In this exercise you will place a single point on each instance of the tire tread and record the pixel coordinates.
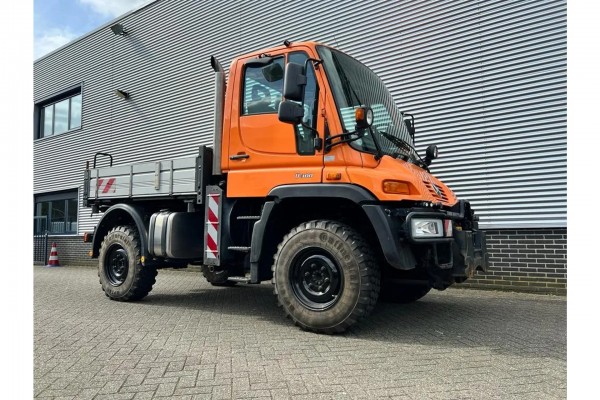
(144, 279)
(369, 272)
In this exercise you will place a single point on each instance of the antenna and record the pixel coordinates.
(336, 43)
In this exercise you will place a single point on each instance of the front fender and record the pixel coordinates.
(396, 253)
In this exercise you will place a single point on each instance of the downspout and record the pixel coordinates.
(218, 113)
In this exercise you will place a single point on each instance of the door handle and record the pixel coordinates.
(241, 156)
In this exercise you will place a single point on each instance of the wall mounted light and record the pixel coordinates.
(118, 29)
(122, 94)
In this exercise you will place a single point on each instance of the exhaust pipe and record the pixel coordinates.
(218, 113)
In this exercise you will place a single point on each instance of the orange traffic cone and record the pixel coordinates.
(53, 260)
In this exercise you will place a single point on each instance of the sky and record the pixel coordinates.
(57, 22)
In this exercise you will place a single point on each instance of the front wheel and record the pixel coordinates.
(325, 276)
(121, 273)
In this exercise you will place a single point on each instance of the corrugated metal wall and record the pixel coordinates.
(485, 79)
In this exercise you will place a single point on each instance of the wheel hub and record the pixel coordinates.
(117, 265)
(316, 280)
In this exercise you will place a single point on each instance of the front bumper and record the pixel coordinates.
(463, 253)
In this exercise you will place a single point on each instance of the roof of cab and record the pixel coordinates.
(278, 48)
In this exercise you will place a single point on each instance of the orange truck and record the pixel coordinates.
(312, 182)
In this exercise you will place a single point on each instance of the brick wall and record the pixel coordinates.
(71, 250)
(525, 260)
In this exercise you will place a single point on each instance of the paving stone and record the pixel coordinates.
(189, 340)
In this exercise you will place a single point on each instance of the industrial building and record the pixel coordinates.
(485, 80)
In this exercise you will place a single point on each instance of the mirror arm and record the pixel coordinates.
(412, 120)
(316, 63)
(341, 135)
(317, 140)
(345, 138)
(379, 154)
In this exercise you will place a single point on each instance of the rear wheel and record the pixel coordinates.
(325, 276)
(217, 277)
(121, 273)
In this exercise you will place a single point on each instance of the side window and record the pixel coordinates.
(263, 87)
(305, 137)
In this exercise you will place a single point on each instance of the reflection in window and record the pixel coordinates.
(71, 221)
(75, 121)
(263, 87)
(57, 216)
(48, 118)
(61, 116)
(305, 144)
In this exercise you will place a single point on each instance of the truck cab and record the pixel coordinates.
(312, 182)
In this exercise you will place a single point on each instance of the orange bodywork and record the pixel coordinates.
(264, 148)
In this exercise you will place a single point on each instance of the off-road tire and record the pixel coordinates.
(121, 273)
(402, 293)
(346, 258)
(217, 278)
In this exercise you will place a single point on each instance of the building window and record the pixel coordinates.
(60, 115)
(56, 213)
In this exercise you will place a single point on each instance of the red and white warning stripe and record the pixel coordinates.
(106, 185)
(212, 226)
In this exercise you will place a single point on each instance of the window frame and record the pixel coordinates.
(65, 197)
(52, 100)
(315, 115)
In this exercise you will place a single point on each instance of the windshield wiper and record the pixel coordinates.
(401, 143)
(397, 141)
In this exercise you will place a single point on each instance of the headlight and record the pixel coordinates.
(426, 228)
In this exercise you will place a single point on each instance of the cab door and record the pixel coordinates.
(263, 152)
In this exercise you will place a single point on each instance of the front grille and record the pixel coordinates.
(432, 189)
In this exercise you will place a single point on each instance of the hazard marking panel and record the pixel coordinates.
(213, 230)
(106, 185)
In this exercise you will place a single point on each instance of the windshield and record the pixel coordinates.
(354, 85)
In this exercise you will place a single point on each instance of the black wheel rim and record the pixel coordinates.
(116, 265)
(316, 279)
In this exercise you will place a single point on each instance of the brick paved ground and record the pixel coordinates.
(188, 340)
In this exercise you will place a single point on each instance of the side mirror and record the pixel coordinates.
(290, 112)
(294, 82)
(431, 154)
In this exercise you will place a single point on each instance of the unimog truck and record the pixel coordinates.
(312, 182)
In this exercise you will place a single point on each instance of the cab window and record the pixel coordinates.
(263, 87)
